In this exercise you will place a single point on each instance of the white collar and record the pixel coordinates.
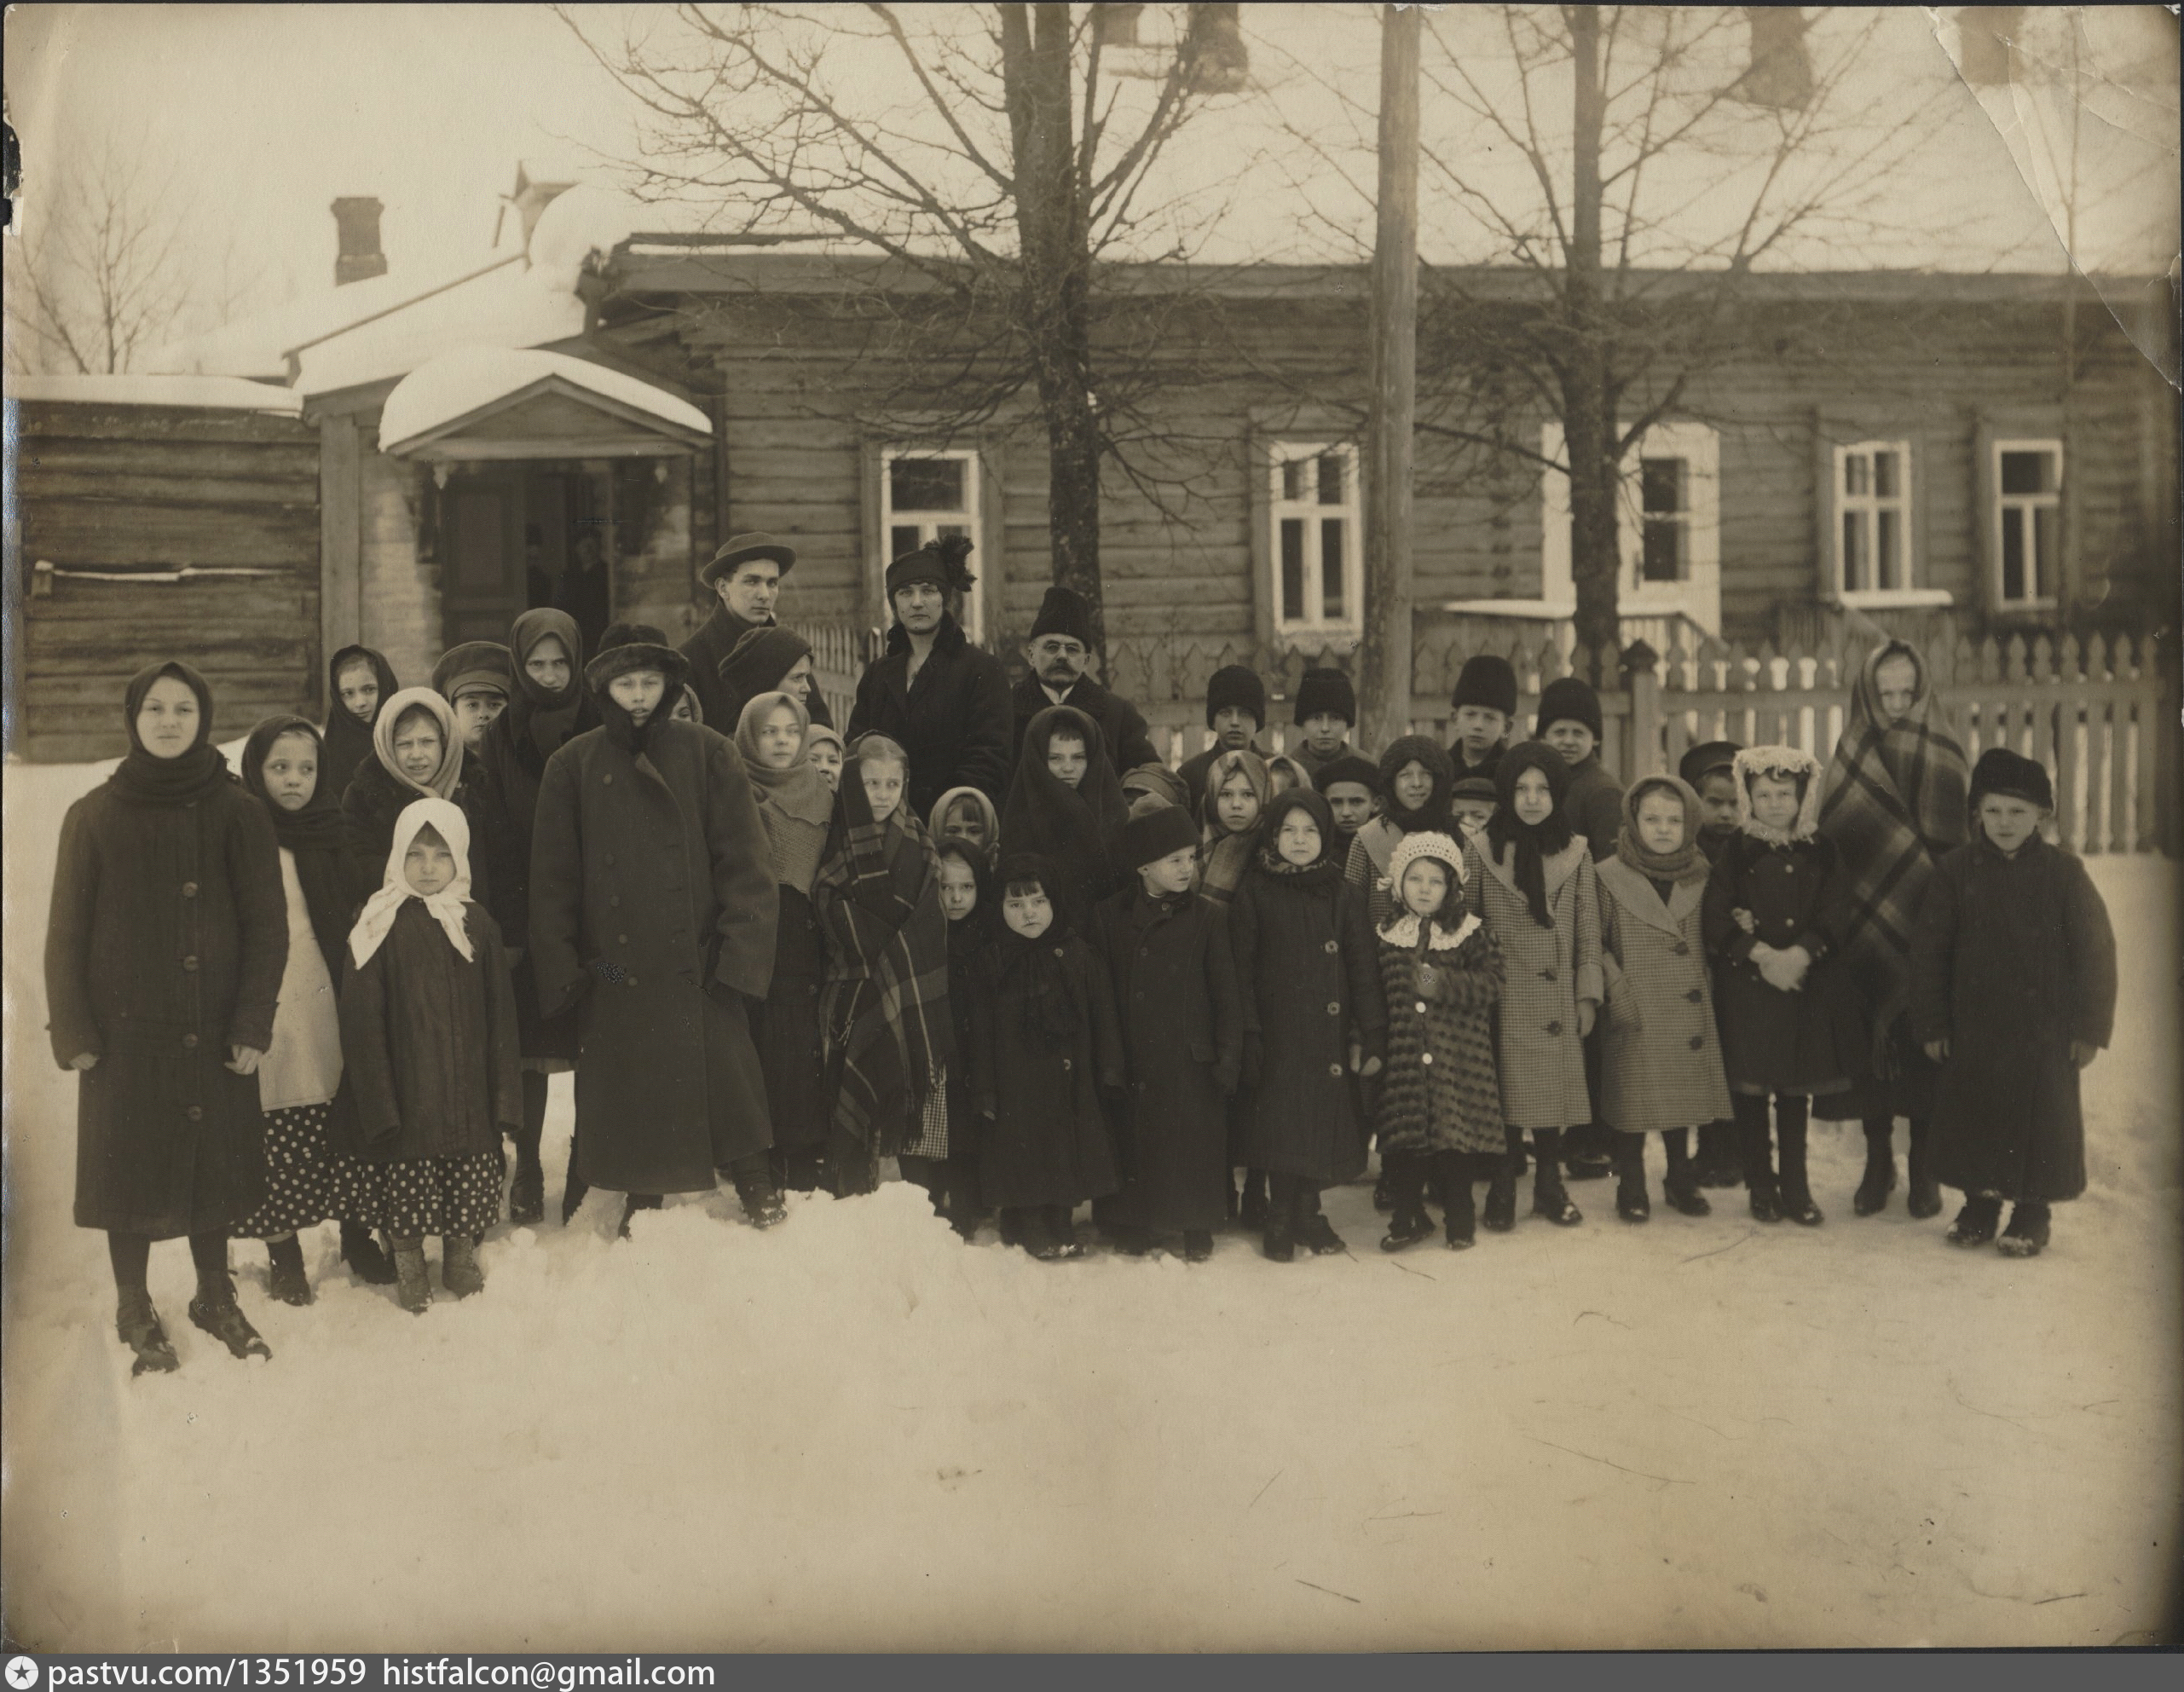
(1061, 698)
(1403, 931)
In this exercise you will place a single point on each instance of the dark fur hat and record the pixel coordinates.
(1236, 684)
(636, 646)
(2000, 771)
(1327, 690)
(1488, 681)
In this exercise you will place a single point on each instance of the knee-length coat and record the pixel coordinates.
(1183, 1022)
(2012, 960)
(166, 945)
(1811, 1040)
(1311, 989)
(1438, 1092)
(1545, 973)
(1660, 1051)
(653, 912)
(1049, 1142)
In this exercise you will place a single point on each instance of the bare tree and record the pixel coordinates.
(997, 159)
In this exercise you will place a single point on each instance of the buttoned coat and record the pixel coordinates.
(1661, 1050)
(1049, 1142)
(653, 911)
(164, 946)
(955, 720)
(1594, 805)
(2012, 960)
(1183, 1021)
(1439, 1091)
(431, 1043)
(1813, 1040)
(1121, 724)
(1545, 971)
(1311, 988)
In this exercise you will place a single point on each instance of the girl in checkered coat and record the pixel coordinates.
(1662, 1054)
(1440, 1107)
(1530, 879)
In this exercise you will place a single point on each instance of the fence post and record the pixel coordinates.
(1642, 750)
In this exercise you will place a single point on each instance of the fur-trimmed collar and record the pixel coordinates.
(1403, 931)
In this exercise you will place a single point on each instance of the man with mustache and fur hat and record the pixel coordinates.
(1057, 654)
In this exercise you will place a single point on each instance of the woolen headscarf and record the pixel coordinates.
(446, 906)
(1893, 801)
(312, 835)
(444, 780)
(1028, 972)
(1225, 857)
(936, 820)
(1079, 830)
(760, 660)
(541, 718)
(1158, 779)
(794, 803)
(1325, 870)
(192, 775)
(1280, 763)
(1428, 753)
(1687, 863)
(1529, 844)
(347, 740)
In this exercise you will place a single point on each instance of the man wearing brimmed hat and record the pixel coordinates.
(1057, 654)
(944, 700)
(745, 574)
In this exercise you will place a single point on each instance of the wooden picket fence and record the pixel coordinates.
(2089, 710)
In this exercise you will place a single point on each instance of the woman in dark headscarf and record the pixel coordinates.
(361, 682)
(795, 804)
(1533, 884)
(299, 1082)
(770, 659)
(885, 1010)
(550, 706)
(1075, 824)
(163, 953)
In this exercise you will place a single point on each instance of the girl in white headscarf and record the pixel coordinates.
(428, 1029)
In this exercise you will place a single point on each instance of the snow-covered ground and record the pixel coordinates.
(855, 1432)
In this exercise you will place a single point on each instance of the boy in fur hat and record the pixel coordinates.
(2012, 993)
(1484, 706)
(1236, 710)
(1167, 951)
(1325, 712)
(1569, 721)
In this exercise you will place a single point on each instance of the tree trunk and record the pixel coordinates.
(1589, 424)
(1384, 661)
(1053, 303)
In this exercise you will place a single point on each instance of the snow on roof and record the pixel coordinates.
(504, 309)
(455, 385)
(217, 393)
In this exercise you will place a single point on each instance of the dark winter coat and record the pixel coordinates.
(1311, 987)
(1182, 1018)
(1811, 1040)
(369, 809)
(654, 912)
(1048, 1141)
(1486, 766)
(1122, 725)
(428, 1039)
(166, 945)
(715, 638)
(956, 720)
(1438, 1092)
(788, 1030)
(1594, 805)
(2012, 960)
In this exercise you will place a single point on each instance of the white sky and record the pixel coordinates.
(270, 112)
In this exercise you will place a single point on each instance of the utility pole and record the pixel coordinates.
(1385, 659)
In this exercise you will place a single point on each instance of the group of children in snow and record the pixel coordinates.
(285, 1008)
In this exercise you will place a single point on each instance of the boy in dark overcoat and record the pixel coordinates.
(653, 914)
(1167, 952)
(2012, 993)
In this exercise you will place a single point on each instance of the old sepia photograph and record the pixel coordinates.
(990, 828)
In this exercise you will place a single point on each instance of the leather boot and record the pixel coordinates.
(1925, 1198)
(215, 1310)
(1550, 1197)
(1880, 1180)
(141, 1331)
(288, 1282)
(362, 1254)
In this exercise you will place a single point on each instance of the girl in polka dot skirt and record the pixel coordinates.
(428, 1026)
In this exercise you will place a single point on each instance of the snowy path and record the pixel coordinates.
(856, 1433)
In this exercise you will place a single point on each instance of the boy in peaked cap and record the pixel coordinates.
(1236, 710)
(1708, 769)
(2012, 993)
(1484, 706)
(1167, 952)
(1351, 786)
(475, 678)
(1326, 712)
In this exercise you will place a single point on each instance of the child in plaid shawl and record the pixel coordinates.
(885, 1008)
(1893, 805)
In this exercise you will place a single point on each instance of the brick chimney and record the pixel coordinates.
(358, 218)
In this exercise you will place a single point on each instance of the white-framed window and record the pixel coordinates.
(1316, 544)
(1668, 529)
(926, 493)
(2026, 522)
(1873, 519)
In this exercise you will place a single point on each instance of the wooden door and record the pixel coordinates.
(483, 587)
